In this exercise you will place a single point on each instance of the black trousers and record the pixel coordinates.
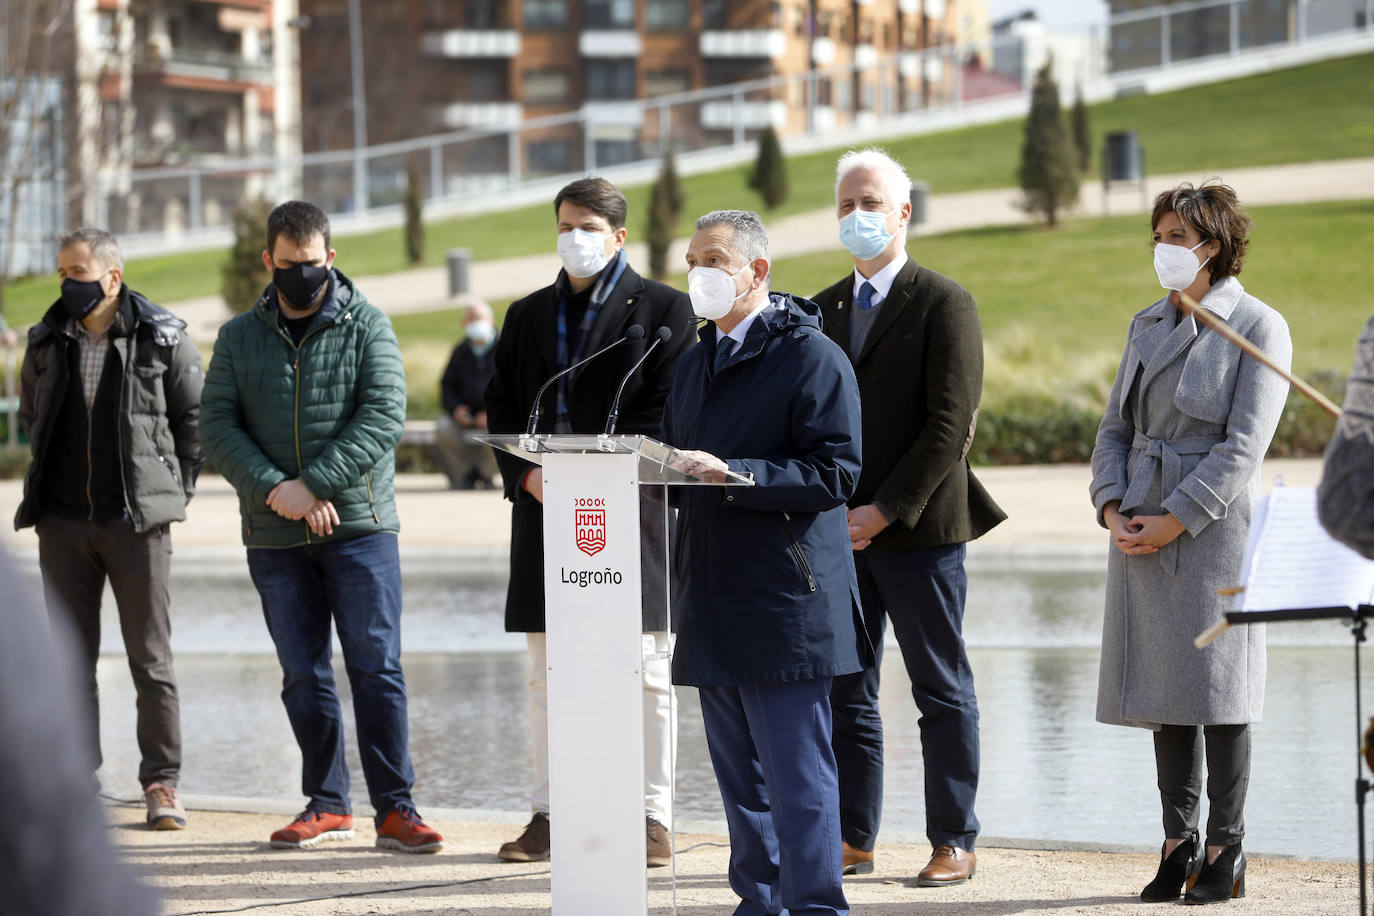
(76, 557)
(1179, 756)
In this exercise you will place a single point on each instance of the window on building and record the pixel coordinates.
(666, 82)
(485, 83)
(715, 14)
(546, 14)
(487, 14)
(609, 14)
(667, 14)
(610, 79)
(616, 152)
(109, 128)
(550, 156)
(545, 87)
(107, 38)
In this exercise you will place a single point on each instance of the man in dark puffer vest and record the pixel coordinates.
(110, 398)
(305, 401)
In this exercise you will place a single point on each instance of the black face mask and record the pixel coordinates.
(300, 284)
(80, 299)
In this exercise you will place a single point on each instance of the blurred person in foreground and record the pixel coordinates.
(110, 398)
(595, 299)
(1176, 472)
(765, 579)
(917, 347)
(45, 756)
(1345, 496)
(468, 464)
(304, 403)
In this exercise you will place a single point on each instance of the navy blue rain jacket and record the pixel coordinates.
(765, 582)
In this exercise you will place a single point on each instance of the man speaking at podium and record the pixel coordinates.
(765, 587)
(596, 299)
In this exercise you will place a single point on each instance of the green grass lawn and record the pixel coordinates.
(1055, 304)
(1305, 114)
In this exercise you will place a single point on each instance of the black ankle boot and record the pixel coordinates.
(1220, 880)
(1176, 869)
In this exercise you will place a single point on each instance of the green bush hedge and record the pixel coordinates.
(1064, 433)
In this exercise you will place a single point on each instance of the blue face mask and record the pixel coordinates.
(865, 234)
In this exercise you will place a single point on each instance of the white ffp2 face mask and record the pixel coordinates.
(1177, 266)
(583, 253)
(712, 291)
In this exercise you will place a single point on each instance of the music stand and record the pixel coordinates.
(1358, 617)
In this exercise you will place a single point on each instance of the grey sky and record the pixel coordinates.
(1057, 14)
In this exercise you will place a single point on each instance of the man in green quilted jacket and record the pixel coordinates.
(303, 405)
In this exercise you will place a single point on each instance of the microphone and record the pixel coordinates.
(662, 335)
(633, 332)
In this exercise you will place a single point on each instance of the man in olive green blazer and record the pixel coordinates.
(917, 348)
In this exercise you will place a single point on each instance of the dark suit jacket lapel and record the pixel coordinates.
(836, 318)
(892, 307)
(546, 327)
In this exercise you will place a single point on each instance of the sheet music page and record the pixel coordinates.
(1293, 563)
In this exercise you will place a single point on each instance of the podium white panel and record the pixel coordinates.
(595, 678)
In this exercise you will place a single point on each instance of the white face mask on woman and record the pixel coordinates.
(1177, 266)
(712, 291)
(583, 253)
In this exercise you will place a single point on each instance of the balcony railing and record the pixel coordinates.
(481, 114)
(769, 43)
(206, 64)
(469, 43)
(609, 43)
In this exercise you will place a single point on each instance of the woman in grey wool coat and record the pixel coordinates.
(1176, 470)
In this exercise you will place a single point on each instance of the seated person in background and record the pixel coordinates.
(467, 464)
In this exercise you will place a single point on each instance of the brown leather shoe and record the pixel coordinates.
(533, 844)
(855, 861)
(947, 865)
(658, 845)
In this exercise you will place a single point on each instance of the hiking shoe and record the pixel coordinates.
(533, 845)
(403, 831)
(658, 843)
(164, 808)
(311, 827)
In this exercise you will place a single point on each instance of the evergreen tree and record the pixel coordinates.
(242, 276)
(1049, 162)
(415, 226)
(665, 204)
(1082, 132)
(769, 175)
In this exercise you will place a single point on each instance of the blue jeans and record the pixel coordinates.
(357, 584)
(770, 748)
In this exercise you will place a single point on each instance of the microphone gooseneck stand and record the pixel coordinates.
(1358, 617)
(633, 332)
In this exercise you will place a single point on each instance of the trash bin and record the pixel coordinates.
(1123, 158)
(920, 196)
(459, 261)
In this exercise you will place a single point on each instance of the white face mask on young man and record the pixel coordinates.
(1177, 266)
(583, 253)
(712, 291)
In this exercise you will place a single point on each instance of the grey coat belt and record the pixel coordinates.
(1166, 456)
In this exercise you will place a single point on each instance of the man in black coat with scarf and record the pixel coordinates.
(596, 298)
(917, 348)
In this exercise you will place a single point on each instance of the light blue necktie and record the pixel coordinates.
(865, 300)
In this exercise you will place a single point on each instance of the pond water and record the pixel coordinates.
(1049, 771)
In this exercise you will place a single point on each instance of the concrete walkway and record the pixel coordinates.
(426, 289)
(1047, 506)
(223, 864)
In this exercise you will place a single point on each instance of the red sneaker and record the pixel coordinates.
(312, 827)
(403, 831)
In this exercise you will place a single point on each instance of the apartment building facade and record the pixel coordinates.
(434, 66)
(161, 85)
